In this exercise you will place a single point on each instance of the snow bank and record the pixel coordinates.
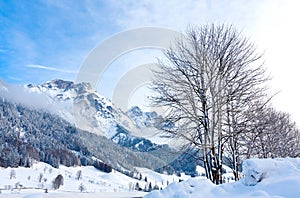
(194, 186)
(263, 178)
(256, 170)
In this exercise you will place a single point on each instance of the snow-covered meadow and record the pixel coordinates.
(261, 178)
(33, 182)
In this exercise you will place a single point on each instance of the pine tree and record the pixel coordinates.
(137, 186)
(150, 187)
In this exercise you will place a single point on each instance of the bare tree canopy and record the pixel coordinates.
(273, 135)
(210, 78)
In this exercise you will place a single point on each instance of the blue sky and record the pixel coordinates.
(50, 34)
(48, 39)
(42, 40)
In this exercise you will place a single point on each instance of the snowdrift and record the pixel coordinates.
(257, 170)
(262, 178)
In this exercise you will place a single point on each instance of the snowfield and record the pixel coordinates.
(32, 182)
(262, 178)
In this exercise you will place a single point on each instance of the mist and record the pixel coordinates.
(20, 94)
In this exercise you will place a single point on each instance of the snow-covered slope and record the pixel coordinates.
(263, 178)
(281, 178)
(33, 182)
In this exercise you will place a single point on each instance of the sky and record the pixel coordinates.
(48, 39)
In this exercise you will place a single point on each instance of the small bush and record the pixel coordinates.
(81, 187)
(58, 181)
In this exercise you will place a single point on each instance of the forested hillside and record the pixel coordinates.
(28, 135)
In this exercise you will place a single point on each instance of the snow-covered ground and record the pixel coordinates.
(32, 182)
(262, 178)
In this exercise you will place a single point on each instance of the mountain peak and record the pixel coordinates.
(58, 86)
(68, 85)
(59, 83)
(135, 110)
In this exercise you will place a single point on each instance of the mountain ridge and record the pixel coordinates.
(135, 131)
(95, 113)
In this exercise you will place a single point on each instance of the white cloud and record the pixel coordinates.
(35, 100)
(179, 14)
(14, 78)
(51, 68)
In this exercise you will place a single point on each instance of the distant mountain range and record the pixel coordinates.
(41, 119)
(93, 112)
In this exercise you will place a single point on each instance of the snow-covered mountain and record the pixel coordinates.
(135, 143)
(135, 129)
(144, 119)
(92, 112)
(150, 125)
(79, 104)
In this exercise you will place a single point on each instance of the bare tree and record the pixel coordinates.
(40, 177)
(240, 127)
(273, 135)
(208, 76)
(81, 187)
(12, 174)
(79, 174)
